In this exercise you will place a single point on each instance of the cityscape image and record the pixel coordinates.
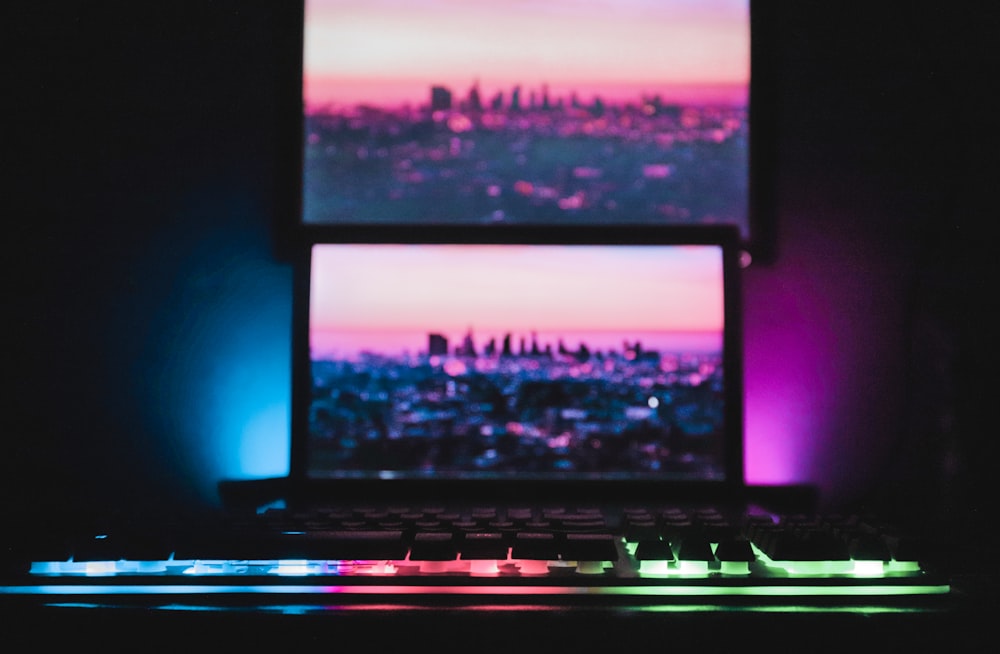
(546, 112)
(517, 360)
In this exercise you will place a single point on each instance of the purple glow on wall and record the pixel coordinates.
(786, 346)
(824, 360)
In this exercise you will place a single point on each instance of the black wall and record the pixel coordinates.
(146, 149)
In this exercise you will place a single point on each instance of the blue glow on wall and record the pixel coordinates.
(232, 377)
(213, 374)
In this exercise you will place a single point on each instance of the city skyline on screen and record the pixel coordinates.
(390, 297)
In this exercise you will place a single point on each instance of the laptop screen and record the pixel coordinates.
(519, 361)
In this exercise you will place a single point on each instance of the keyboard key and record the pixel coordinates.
(640, 530)
(579, 524)
(223, 545)
(695, 548)
(735, 549)
(483, 545)
(808, 546)
(653, 550)
(535, 545)
(869, 547)
(589, 547)
(433, 546)
(345, 545)
(99, 548)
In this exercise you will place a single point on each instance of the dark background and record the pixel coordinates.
(148, 156)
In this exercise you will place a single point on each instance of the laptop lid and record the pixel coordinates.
(595, 364)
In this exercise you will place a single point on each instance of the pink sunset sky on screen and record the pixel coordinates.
(382, 289)
(393, 51)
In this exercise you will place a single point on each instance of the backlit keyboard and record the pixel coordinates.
(658, 553)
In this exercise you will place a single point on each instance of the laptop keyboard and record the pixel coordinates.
(644, 551)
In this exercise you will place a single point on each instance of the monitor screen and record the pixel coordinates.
(525, 113)
(524, 361)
